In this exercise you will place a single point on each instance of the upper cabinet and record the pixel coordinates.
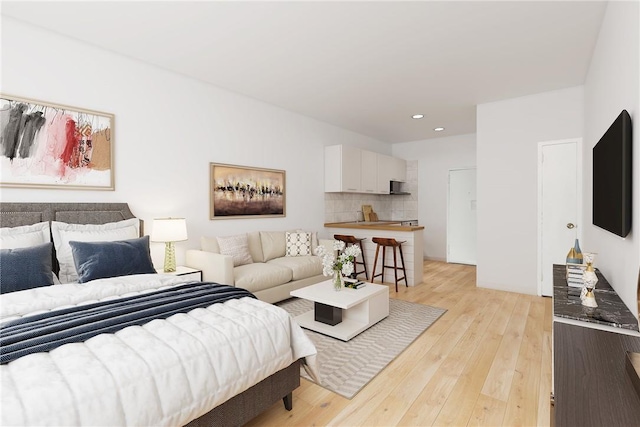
(384, 172)
(342, 169)
(352, 170)
(398, 169)
(369, 171)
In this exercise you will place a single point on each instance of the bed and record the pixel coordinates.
(219, 364)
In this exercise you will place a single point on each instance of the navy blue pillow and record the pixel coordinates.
(25, 268)
(99, 260)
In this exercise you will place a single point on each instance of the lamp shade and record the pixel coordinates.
(169, 230)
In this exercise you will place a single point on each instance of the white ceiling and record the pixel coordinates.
(363, 66)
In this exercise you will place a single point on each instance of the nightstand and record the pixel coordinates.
(186, 272)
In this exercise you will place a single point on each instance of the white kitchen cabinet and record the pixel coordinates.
(352, 170)
(342, 169)
(384, 173)
(398, 169)
(369, 171)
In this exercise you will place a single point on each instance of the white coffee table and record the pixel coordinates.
(360, 308)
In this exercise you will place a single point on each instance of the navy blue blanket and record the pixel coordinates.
(46, 331)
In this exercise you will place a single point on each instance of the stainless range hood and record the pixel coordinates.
(395, 187)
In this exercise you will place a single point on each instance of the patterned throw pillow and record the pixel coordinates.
(298, 244)
(236, 247)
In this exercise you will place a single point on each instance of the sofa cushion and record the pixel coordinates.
(237, 247)
(255, 246)
(258, 276)
(210, 244)
(273, 244)
(298, 244)
(302, 267)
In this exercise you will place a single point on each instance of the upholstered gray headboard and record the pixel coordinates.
(17, 214)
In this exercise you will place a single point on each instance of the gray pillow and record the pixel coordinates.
(100, 260)
(25, 268)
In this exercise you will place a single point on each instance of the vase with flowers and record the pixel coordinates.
(339, 262)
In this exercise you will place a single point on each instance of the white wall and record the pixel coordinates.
(435, 158)
(167, 130)
(508, 133)
(611, 86)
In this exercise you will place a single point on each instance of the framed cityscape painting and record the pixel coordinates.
(44, 145)
(246, 192)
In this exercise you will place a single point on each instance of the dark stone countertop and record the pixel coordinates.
(611, 311)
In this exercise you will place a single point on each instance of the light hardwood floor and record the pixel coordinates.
(486, 361)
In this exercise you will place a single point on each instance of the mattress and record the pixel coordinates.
(165, 372)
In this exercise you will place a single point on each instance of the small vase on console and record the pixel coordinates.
(589, 279)
(575, 254)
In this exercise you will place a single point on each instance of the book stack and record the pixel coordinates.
(354, 285)
(574, 275)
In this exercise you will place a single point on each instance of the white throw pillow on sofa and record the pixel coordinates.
(298, 244)
(63, 233)
(237, 247)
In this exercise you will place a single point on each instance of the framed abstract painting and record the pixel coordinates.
(246, 192)
(44, 145)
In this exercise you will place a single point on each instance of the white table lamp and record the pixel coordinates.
(169, 230)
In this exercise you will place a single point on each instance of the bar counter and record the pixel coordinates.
(412, 248)
(376, 225)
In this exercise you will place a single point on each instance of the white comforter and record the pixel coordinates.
(166, 372)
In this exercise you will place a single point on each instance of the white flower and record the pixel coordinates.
(338, 245)
(321, 250)
(352, 251)
(347, 269)
(343, 263)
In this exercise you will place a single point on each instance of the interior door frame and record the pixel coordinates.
(448, 201)
(579, 162)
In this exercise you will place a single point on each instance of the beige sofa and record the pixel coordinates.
(271, 275)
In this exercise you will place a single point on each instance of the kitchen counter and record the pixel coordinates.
(375, 225)
(412, 237)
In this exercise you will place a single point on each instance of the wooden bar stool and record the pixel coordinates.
(385, 243)
(352, 240)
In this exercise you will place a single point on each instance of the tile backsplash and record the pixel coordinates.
(344, 207)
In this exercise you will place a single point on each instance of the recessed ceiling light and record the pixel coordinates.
(417, 116)
(438, 129)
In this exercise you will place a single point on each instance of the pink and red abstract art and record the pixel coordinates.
(53, 145)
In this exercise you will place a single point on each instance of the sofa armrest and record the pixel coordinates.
(215, 267)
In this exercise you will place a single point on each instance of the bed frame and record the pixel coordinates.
(234, 412)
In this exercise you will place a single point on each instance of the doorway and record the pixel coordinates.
(461, 217)
(559, 202)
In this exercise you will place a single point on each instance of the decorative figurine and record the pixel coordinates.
(589, 278)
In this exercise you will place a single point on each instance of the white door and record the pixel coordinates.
(559, 198)
(461, 217)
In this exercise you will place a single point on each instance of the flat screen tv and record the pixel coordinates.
(612, 178)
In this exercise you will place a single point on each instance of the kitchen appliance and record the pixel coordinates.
(395, 187)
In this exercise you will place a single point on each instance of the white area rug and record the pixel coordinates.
(346, 367)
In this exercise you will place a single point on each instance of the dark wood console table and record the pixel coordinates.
(591, 382)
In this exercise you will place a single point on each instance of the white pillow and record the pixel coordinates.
(63, 233)
(236, 247)
(298, 244)
(314, 239)
(24, 236)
